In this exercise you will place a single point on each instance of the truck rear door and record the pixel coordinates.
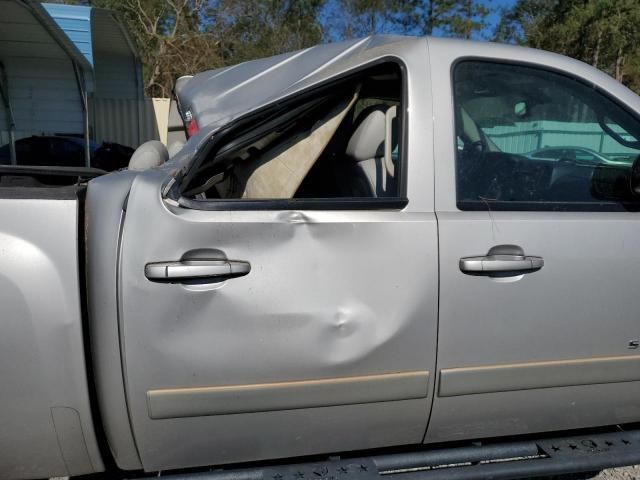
(539, 252)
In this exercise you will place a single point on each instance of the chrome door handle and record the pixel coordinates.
(195, 270)
(501, 258)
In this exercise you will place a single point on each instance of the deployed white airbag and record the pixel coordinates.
(279, 172)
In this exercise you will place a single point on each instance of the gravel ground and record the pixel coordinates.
(625, 473)
(622, 473)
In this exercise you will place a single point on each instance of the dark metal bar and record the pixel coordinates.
(449, 456)
(82, 91)
(528, 468)
(552, 456)
(241, 474)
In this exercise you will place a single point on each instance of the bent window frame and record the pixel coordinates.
(219, 138)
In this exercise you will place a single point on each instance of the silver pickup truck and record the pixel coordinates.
(405, 257)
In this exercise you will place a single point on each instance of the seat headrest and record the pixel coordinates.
(367, 140)
(148, 155)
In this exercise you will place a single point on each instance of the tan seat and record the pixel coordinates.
(148, 155)
(367, 148)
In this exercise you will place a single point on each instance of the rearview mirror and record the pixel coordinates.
(520, 109)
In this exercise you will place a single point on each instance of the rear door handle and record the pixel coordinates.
(195, 270)
(501, 258)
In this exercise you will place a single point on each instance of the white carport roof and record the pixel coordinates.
(44, 77)
(102, 38)
(26, 26)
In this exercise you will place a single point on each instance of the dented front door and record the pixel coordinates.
(327, 344)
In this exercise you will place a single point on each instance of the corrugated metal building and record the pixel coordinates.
(117, 107)
(524, 137)
(42, 74)
(70, 70)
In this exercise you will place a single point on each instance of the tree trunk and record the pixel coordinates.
(620, 65)
(596, 53)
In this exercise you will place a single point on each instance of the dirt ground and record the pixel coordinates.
(625, 473)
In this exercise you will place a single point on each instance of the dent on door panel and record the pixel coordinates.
(333, 331)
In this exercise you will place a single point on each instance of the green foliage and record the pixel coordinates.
(259, 28)
(357, 18)
(604, 33)
(180, 37)
(169, 37)
(468, 17)
(433, 15)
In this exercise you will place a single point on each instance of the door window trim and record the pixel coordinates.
(346, 203)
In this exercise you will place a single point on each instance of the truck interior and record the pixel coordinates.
(341, 141)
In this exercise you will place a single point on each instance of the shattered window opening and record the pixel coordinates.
(343, 142)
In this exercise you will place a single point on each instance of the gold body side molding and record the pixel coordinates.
(233, 399)
(529, 376)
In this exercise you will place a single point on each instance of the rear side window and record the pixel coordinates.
(532, 139)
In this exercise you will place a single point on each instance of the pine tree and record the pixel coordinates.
(603, 33)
